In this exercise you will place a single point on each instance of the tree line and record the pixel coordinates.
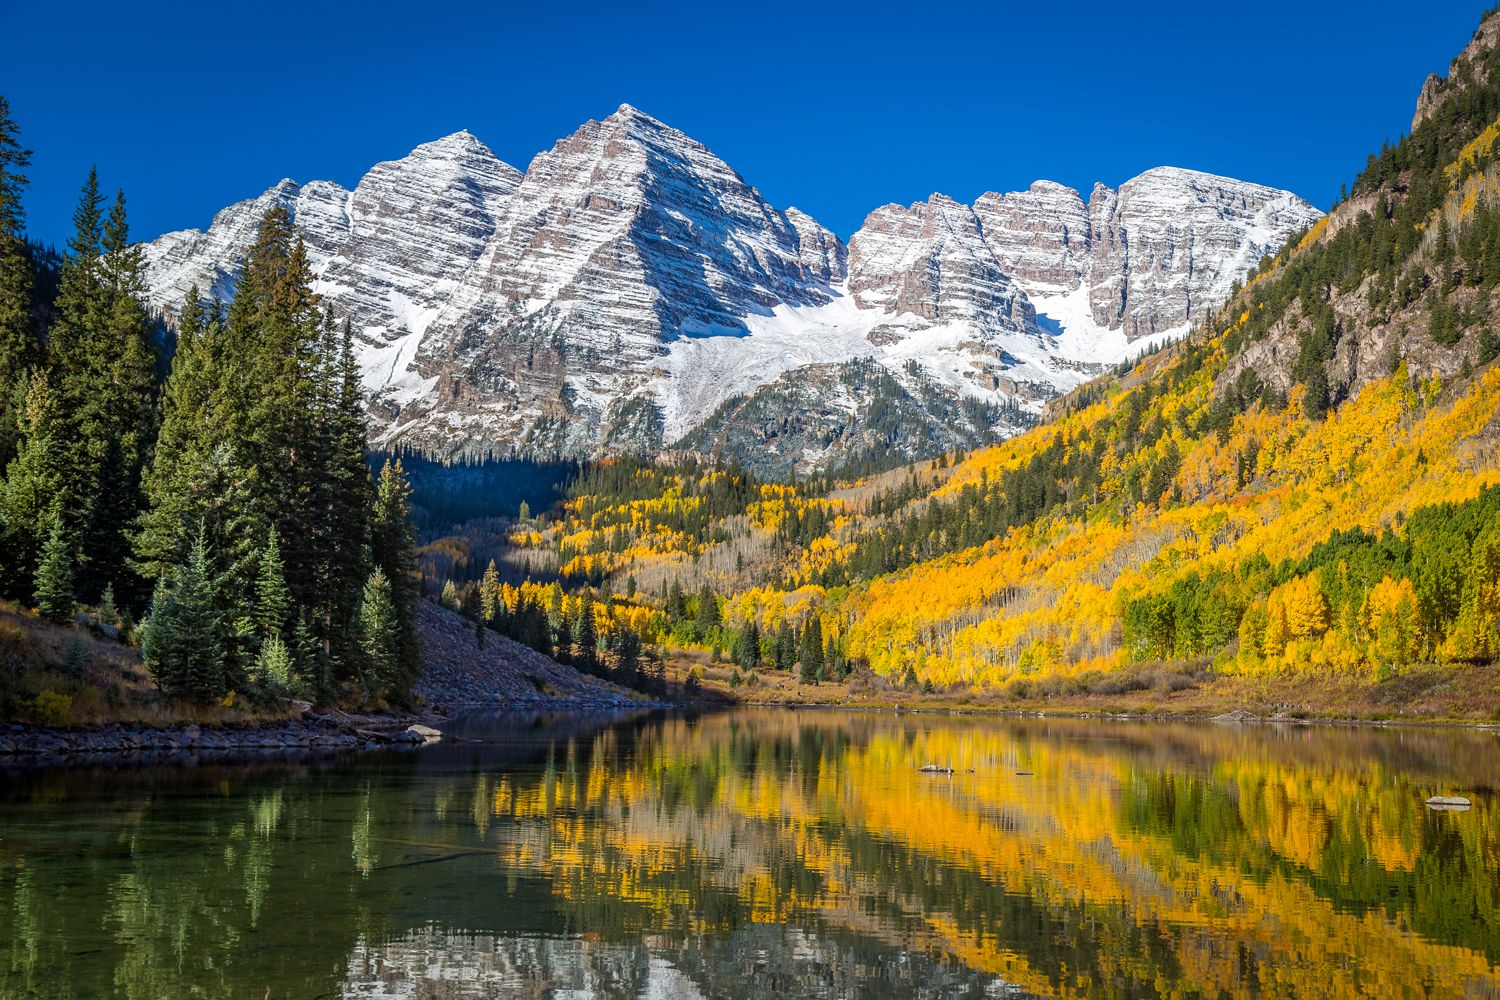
(212, 497)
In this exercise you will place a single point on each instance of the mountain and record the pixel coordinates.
(630, 291)
(1297, 506)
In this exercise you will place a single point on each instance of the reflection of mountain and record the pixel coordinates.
(774, 853)
(754, 961)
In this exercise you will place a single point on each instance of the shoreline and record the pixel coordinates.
(1233, 717)
(29, 743)
(313, 733)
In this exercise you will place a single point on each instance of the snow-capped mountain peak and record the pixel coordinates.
(632, 290)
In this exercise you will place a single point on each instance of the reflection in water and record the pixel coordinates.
(765, 853)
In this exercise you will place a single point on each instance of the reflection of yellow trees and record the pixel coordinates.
(1237, 868)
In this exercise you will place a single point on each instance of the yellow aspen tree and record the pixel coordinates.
(1391, 615)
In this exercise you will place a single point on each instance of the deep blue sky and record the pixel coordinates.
(835, 108)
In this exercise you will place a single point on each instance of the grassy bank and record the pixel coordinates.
(1463, 694)
(81, 675)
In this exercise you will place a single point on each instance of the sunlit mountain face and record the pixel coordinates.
(769, 853)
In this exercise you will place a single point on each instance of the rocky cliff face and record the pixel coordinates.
(630, 284)
(931, 261)
(1040, 236)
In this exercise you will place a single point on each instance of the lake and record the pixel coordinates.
(769, 853)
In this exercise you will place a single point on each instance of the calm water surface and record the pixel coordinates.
(769, 853)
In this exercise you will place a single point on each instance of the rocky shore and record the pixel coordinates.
(460, 673)
(310, 733)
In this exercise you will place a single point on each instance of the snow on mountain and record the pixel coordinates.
(631, 290)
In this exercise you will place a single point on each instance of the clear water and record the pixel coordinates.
(769, 853)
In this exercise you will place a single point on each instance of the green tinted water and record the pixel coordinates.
(769, 853)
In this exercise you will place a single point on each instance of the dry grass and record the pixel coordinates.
(1460, 694)
(85, 679)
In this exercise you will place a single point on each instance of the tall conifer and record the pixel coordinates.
(54, 574)
(31, 487)
(18, 344)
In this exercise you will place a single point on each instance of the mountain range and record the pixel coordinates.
(630, 291)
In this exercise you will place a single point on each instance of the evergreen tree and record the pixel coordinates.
(18, 343)
(747, 646)
(812, 648)
(217, 498)
(489, 593)
(32, 484)
(108, 613)
(394, 551)
(628, 653)
(708, 612)
(588, 637)
(262, 429)
(378, 638)
(54, 574)
(562, 640)
(82, 309)
(187, 430)
(182, 641)
(1489, 345)
(121, 415)
(786, 647)
(274, 667)
(273, 602)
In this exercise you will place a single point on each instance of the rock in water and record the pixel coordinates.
(1448, 803)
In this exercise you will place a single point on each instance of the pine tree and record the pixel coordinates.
(182, 640)
(263, 428)
(82, 309)
(812, 648)
(1489, 345)
(394, 551)
(54, 574)
(489, 593)
(187, 428)
(708, 612)
(378, 637)
(628, 654)
(747, 646)
(120, 423)
(561, 646)
(221, 501)
(108, 613)
(588, 637)
(274, 667)
(80, 303)
(18, 342)
(33, 481)
(786, 648)
(273, 602)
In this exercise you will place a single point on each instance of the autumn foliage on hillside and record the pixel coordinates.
(1304, 486)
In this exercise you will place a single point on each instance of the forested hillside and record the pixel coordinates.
(222, 516)
(1304, 486)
